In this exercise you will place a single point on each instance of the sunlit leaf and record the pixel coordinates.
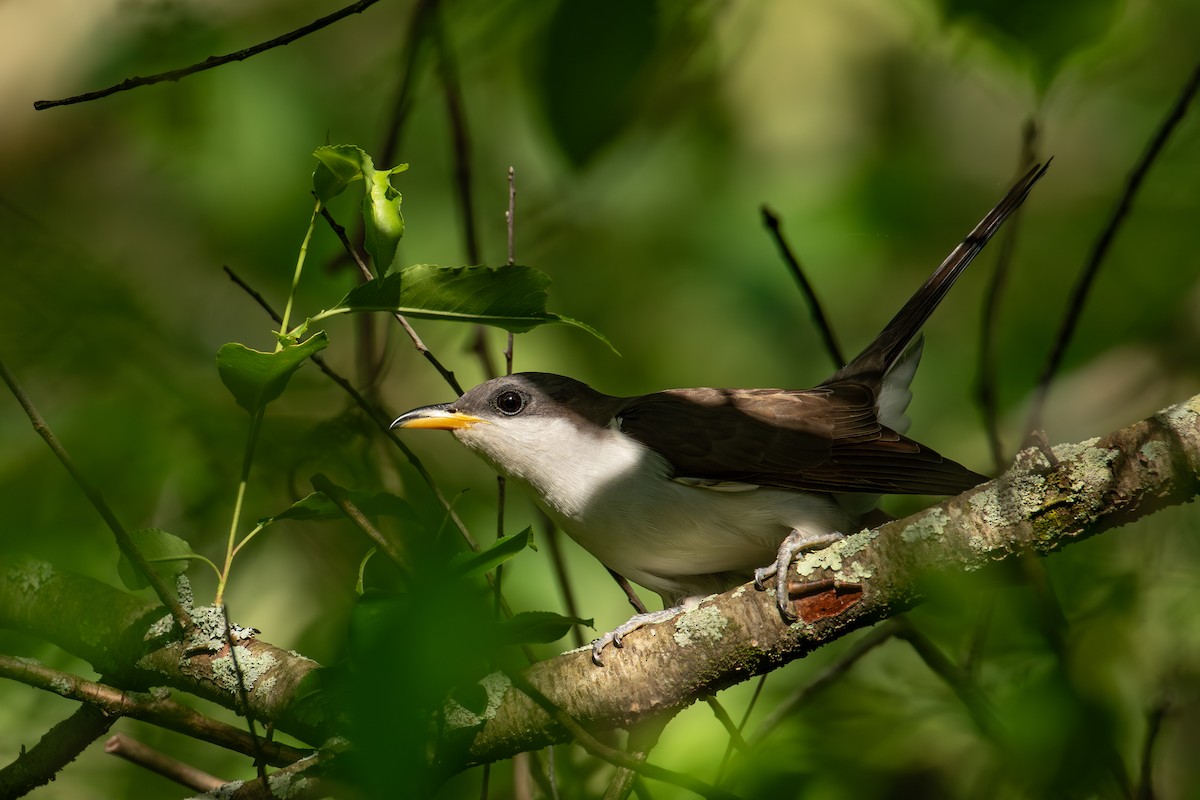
(383, 224)
(535, 627)
(166, 552)
(256, 378)
(466, 565)
(511, 297)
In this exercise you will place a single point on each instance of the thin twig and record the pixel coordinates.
(376, 416)
(735, 735)
(60, 746)
(987, 394)
(452, 94)
(124, 540)
(729, 746)
(212, 61)
(847, 659)
(326, 487)
(1083, 286)
(550, 536)
(611, 754)
(630, 594)
(956, 678)
(365, 271)
(162, 764)
(1154, 721)
(161, 711)
(771, 220)
(403, 102)
(510, 226)
(260, 761)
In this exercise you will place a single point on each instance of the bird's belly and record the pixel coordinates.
(679, 540)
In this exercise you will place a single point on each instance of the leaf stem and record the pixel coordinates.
(247, 459)
(287, 309)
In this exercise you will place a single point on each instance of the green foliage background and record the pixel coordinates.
(645, 136)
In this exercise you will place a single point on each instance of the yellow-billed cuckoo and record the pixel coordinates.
(691, 491)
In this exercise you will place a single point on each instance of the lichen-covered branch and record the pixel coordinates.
(1032, 508)
(1035, 507)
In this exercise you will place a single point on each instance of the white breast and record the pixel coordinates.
(615, 498)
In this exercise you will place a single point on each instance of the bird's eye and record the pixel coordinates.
(509, 402)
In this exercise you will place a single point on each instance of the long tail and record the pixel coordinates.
(882, 353)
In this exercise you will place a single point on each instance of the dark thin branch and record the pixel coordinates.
(611, 754)
(1154, 721)
(60, 746)
(832, 673)
(365, 271)
(376, 415)
(550, 536)
(124, 540)
(212, 61)
(452, 93)
(987, 394)
(352, 512)
(729, 747)
(260, 759)
(172, 769)
(161, 711)
(1083, 286)
(403, 103)
(959, 680)
(630, 594)
(735, 735)
(810, 296)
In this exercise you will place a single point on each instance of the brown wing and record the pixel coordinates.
(825, 439)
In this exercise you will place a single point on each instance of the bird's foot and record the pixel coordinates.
(795, 542)
(615, 636)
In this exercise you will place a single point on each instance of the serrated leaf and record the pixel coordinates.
(166, 552)
(535, 627)
(468, 565)
(256, 378)
(511, 297)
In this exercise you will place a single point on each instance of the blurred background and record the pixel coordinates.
(645, 137)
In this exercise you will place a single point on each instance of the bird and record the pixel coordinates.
(689, 492)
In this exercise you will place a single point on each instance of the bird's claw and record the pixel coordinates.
(794, 543)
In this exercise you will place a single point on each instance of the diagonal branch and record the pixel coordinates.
(211, 61)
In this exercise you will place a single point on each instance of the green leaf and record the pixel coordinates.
(341, 165)
(511, 297)
(535, 627)
(468, 565)
(167, 553)
(318, 507)
(256, 378)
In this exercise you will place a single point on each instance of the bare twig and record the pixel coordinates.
(260, 761)
(610, 754)
(771, 220)
(58, 747)
(630, 594)
(735, 735)
(352, 512)
(159, 763)
(403, 102)
(212, 61)
(452, 93)
(1083, 285)
(157, 710)
(988, 403)
(550, 536)
(365, 271)
(124, 540)
(1154, 721)
(377, 416)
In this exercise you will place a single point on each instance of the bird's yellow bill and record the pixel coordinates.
(437, 421)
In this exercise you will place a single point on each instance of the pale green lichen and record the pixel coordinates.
(1155, 451)
(931, 526)
(739, 591)
(1087, 464)
(28, 576)
(495, 686)
(834, 556)
(253, 667)
(705, 623)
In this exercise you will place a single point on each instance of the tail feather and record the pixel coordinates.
(889, 345)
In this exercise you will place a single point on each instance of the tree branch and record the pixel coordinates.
(1034, 508)
(211, 61)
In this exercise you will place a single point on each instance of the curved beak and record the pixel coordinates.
(438, 418)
